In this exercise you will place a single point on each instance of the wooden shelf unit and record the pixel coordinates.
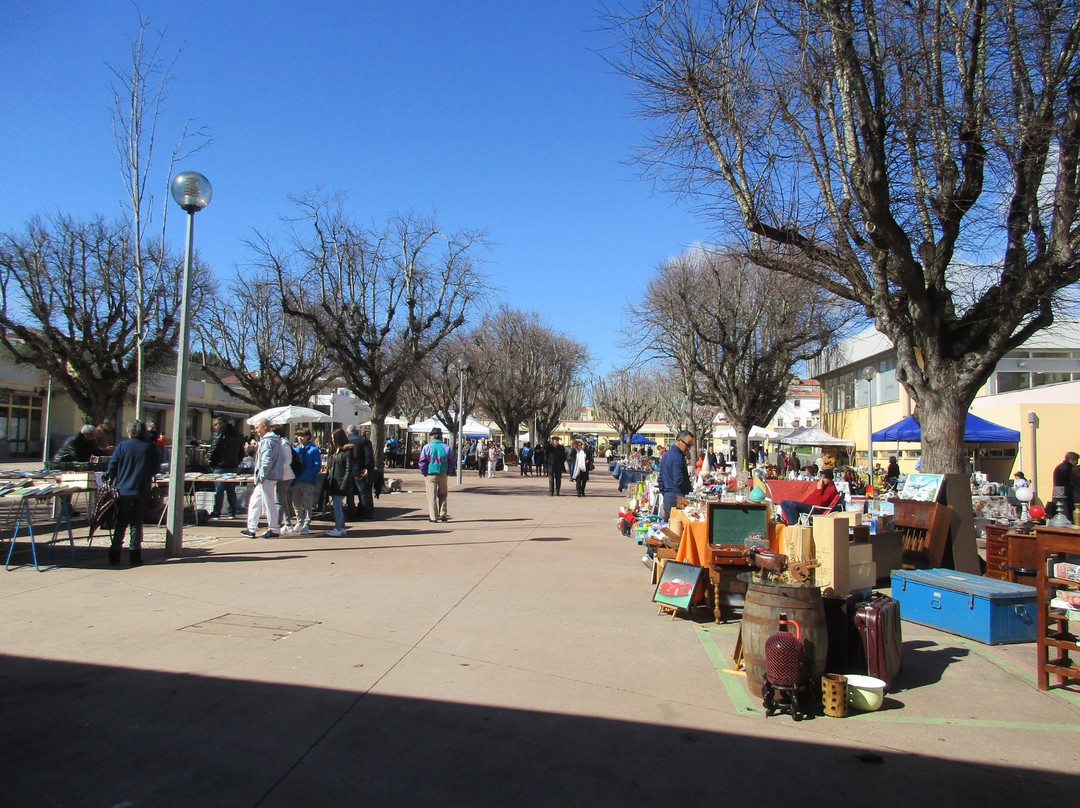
(924, 527)
(1053, 629)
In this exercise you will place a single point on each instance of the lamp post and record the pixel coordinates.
(192, 192)
(463, 368)
(868, 373)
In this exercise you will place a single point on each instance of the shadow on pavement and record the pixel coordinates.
(80, 734)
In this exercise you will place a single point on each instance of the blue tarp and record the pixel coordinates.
(637, 440)
(976, 430)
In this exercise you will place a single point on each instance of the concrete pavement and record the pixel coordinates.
(511, 656)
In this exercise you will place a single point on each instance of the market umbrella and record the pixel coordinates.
(291, 414)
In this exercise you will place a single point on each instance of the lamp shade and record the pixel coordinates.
(191, 190)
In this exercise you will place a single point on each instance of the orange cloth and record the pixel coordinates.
(694, 544)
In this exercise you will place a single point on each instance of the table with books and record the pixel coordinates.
(20, 495)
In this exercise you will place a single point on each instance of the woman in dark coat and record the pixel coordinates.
(339, 478)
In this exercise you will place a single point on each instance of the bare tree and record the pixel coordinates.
(447, 382)
(675, 392)
(626, 398)
(921, 159)
(67, 307)
(742, 328)
(273, 359)
(378, 299)
(138, 102)
(522, 368)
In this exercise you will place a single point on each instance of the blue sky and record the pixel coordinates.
(495, 115)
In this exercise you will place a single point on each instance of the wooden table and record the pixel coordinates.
(724, 588)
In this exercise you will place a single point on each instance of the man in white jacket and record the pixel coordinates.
(269, 459)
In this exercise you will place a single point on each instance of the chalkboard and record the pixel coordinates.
(734, 522)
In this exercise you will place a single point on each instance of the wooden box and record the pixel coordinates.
(831, 552)
(732, 523)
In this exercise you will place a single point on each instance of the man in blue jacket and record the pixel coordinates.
(132, 466)
(674, 477)
(436, 463)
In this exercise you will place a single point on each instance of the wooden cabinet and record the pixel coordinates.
(1012, 557)
(997, 552)
(1057, 646)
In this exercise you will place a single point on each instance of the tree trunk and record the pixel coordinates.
(942, 418)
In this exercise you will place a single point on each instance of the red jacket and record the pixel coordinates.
(825, 495)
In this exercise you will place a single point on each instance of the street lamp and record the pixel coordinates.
(463, 368)
(192, 192)
(868, 373)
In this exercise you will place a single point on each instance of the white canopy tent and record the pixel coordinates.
(813, 436)
(473, 428)
(390, 421)
(727, 432)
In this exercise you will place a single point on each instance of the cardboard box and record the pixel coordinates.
(1064, 571)
(830, 539)
(983, 609)
(862, 575)
(860, 554)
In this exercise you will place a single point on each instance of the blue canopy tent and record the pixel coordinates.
(637, 440)
(976, 430)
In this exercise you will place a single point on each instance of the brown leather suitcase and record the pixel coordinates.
(877, 620)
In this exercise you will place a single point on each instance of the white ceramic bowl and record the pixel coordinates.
(865, 693)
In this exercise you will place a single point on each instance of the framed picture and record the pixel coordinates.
(676, 586)
(922, 487)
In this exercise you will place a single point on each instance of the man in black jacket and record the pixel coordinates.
(364, 478)
(226, 452)
(555, 457)
(80, 447)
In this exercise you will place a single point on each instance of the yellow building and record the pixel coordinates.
(1034, 389)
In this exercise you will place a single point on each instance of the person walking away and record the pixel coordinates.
(674, 477)
(580, 465)
(1062, 501)
(539, 456)
(226, 454)
(269, 462)
(283, 489)
(436, 464)
(525, 460)
(555, 458)
(492, 458)
(303, 490)
(132, 466)
(340, 478)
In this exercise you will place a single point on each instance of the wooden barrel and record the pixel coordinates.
(760, 620)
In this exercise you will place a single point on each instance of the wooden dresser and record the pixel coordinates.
(1011, 556)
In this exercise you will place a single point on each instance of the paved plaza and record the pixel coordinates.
(509, 657)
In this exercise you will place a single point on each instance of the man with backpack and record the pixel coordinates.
(436, 463)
